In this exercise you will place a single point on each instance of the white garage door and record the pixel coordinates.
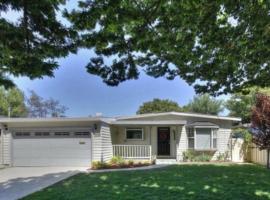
(51, 149)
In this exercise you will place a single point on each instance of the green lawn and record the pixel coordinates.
(174, 182)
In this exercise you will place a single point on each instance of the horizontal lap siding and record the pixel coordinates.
(182, 145)
(6, 148)
(223, 140)
(96, 146)
(106, 142)
(102, 144)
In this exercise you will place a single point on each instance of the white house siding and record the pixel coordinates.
(223, 142)
(1, 148)
(96, 145)
(106, 142)
(182, 145)
(6, 147)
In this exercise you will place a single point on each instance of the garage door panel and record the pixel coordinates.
(52, 151)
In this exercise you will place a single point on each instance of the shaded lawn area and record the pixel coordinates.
(213, 181)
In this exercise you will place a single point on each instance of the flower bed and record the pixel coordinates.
(118, 162)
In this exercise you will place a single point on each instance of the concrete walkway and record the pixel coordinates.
(17, 182)
(128, 169)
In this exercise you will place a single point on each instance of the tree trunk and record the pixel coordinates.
(268, 162)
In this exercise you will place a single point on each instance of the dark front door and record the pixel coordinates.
(164, 141)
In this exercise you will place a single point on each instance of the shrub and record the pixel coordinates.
(189, 155)
(117, 160)
(202, 158)
(197, 156)
(221, 157)
(130, 162)
(99, 165)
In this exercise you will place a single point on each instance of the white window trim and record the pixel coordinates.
(141, 129)
(195, 139)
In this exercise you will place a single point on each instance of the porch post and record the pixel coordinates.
(150, 151)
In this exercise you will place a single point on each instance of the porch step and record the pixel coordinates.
(166, 161)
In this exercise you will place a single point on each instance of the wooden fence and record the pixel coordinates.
(257, 156)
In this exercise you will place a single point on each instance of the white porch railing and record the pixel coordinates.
(133, 151)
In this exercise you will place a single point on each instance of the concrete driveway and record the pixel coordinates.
(17, 182)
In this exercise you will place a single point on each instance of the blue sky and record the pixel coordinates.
(85, 94)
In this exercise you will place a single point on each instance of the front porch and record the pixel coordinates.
(147, 142)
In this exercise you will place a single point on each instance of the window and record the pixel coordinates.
(214, 138)
(61, 134)
(42, 134)
(82, 134)
(22, 134)
(202, 138)
(134, 134)
(191, 138)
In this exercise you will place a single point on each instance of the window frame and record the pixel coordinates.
(191, 129)
(22, 134)
(211, 137)
(42, 134)
(142, 132)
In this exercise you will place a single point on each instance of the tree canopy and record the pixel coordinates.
(260, 119)
(39, 107)
(204, 104)
(30, 45)
(240, 104)
(158, 105)
(218, 47)
(12, 103)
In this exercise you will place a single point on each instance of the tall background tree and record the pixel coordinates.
(218, 47)
(12, 103)
(39, 107)
(240, 104)
(30, 45)
(158, 105)
(204, 104)
(260, 127)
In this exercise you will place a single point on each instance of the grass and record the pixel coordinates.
(213, 181)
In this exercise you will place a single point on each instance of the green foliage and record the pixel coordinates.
(240, 104)
(158, 105)
(189, 182)
(197, 156)
(117, 160)
(99, 165)
(39, 107)
(12, 102)
(243, 133)
(217, 46)
(221, 157)
(202, 158)
(189, 155)
(30, 45)
(130, 162)
(204, 104)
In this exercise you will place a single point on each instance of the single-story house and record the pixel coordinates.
(79, 141)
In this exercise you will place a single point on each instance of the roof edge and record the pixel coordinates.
(181, 114)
